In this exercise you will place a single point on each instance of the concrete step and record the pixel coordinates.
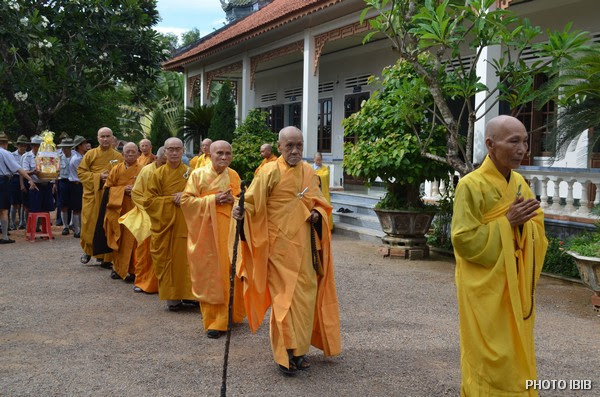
(360, 233)
(357, 219)
(362, 222)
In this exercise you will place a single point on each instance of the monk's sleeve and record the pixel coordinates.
(90, 180)
(160, 208)
(192, 204)
(137, 192)
(473, 240)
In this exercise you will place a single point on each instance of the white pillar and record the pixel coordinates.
(247, 91)
(488, 77)
(310, 96)
(202, 88)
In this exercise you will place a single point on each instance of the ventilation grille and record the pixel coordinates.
(357, 81)
(326, 87)
(292, 93)
(596, 37)
(270, 97)
(467, 60)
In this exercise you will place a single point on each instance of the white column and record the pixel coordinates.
(247, 91)
(544, 195)
(569, 208)
(203, 100)
(310, 96)
(488, 77)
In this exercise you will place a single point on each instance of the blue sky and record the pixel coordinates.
(179, 16)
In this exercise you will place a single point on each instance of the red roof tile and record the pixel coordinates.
(273, 15)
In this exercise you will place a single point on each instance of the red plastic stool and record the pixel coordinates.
(30, 233)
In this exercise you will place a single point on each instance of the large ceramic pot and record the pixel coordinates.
(589, 271)
(398, 223)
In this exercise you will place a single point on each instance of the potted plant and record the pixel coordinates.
(388, 149)
(585, 249)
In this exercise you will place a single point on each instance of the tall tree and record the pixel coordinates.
(58, 51)
(222, 125)
(191, 36)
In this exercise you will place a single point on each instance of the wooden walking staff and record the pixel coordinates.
(238, 231)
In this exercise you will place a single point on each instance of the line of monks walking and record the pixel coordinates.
(169, 228)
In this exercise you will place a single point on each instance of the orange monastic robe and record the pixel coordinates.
(277, 262)
(265, 161)
(95, 162)
(169, 232)
(144, 160)
(199, 161)
(208, 245)
(118, 237)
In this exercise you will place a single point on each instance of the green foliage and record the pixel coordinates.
(587, 244)
(441, 236)
(249, 137)
(557, 261)
(436, 36)
(196, 123)
(190, 37)
(64, 51)
(388, 142)
(222, 124)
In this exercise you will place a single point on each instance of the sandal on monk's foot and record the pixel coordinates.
(85, 258)
(291, 371)
(301, 363)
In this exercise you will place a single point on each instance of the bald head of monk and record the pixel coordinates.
(221, 155)
(105, 138)
(205, 146)
(145, 147)
(161, 156)
(130, 153)
(174, 149)
(266, 150)
(290, 145)
(506, 140)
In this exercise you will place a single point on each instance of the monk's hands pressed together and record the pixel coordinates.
(521, 211)
(177, 198)
(314, 216)
(128, 189)
(237, 213)
(224, 197)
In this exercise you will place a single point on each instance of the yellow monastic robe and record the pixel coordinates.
(208, 240)
(169, 232)
(118, 237)
(495, 268)
(138, 223)
(265, 161)
(277, 262)
(199, 161)
(144, 160)
(95, 162)
(323, 173)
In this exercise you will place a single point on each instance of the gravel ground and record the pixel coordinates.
(68, 329)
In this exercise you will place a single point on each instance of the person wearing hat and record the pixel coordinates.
(16, 186)
(40, 200)
(80, 147)
(8, 166)
(62, 185)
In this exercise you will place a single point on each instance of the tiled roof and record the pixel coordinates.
(271, 16)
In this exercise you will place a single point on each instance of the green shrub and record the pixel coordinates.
(557, 261)
(222, 124)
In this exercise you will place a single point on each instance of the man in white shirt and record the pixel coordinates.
(75, 187)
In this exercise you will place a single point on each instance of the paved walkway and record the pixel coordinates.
(68, 329)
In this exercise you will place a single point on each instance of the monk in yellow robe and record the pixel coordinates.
(146, 156)
(499, 244)
(138, 223)
(266, 151)
(281, 268)
(322, 172)
(92, 172)
(202, 159)
(119, 184)
(169, 231)
(207, 202)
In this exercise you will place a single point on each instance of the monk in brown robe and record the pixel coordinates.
(281, 268)
(119, 184)
(169, 231)
(202, 159)
(146, 156)
(266, 151)
(92, 172)
(138, 222)
(207, 202)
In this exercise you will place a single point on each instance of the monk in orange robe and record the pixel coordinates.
(169, 231)
(146, 156)
(138, 222)
(281, 268)
(119, 184)
(266, 151)
(93, 171)
(202, 159)
(207, 202)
